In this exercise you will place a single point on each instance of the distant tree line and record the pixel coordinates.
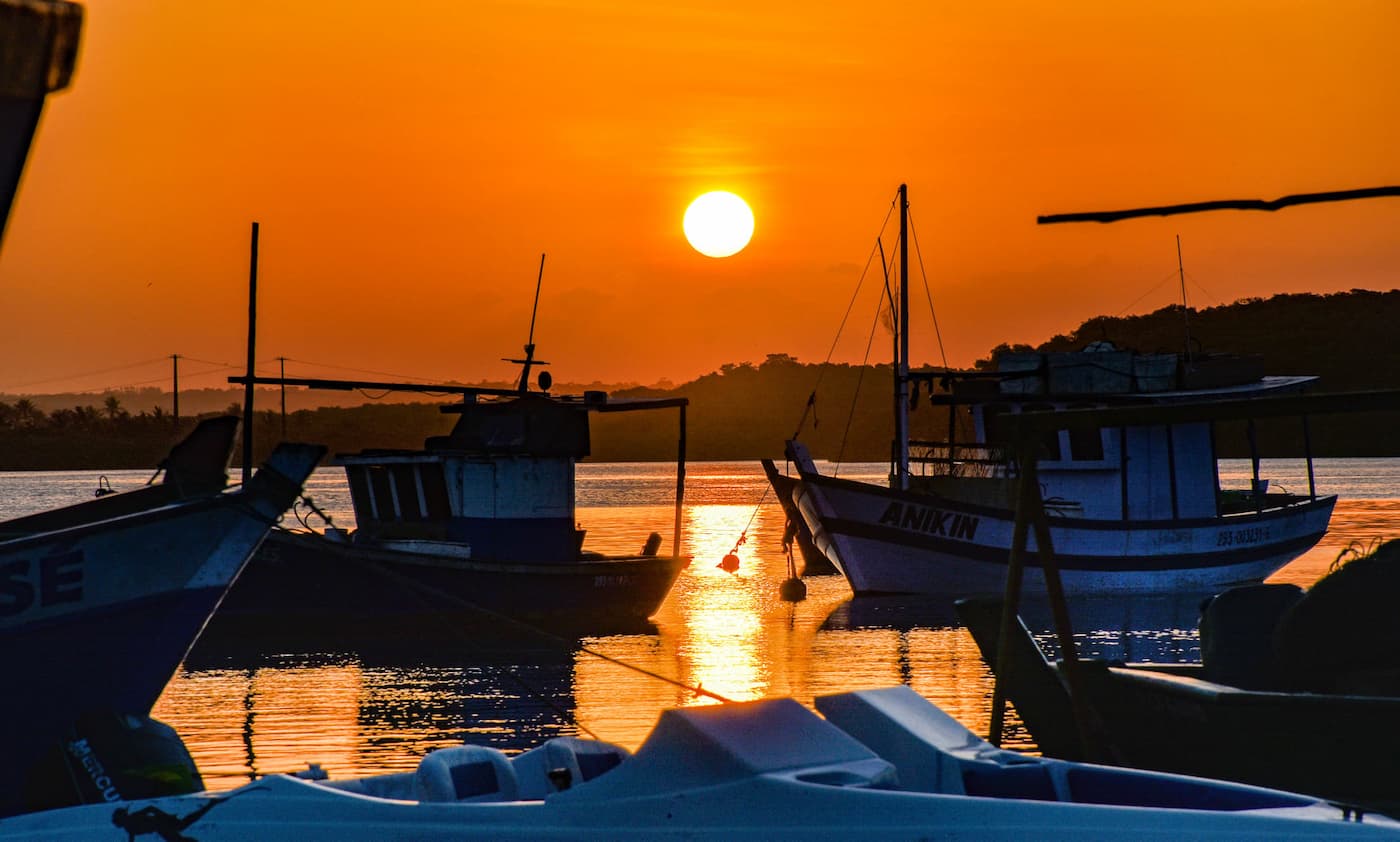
(747, 410)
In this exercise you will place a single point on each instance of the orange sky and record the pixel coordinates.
(409, 162)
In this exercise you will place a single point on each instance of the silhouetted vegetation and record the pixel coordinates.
(746, 410)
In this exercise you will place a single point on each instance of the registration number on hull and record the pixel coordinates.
(930, 521)
(51, 580)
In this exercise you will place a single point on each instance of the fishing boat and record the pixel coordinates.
(100, 601)
(477, 523)
(883, 764)
(1134, 506)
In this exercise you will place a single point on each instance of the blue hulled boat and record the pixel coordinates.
(99, 602)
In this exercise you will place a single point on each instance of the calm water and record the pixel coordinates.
(252, 710)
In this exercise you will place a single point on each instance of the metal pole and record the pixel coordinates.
(252, 345)
(680, 487)
(1307, 454)
(175, 384)
(1254, 464)
(283, 362)
(901, 372)
(1010, 607)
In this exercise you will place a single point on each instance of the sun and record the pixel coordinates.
(718, 224)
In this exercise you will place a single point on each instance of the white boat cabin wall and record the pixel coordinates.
(501, 483)
(1160, 472)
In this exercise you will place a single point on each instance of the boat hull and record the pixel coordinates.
(814, 561)
(888, 541)
(339, 587)
(1333, 746)
(98, 617)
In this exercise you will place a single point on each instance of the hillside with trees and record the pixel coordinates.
(746, 410)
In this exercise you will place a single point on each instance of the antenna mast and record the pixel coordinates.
(530, 360)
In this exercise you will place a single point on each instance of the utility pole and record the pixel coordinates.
(175, 385)
(283, 362)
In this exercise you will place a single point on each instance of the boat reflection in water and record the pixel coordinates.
(367, 709)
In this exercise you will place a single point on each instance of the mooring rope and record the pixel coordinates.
(429, 591)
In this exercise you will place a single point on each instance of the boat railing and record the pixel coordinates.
(936, 458)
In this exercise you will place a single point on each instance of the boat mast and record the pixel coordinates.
(901, 363)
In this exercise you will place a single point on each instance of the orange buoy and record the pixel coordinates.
(729, 563)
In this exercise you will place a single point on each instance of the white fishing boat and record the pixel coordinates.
(1133, 507)
(887, 765)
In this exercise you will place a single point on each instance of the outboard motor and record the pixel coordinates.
(109, 757)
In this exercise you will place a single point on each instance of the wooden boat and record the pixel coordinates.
(100, 601)
(477, 523)
(885, 764)
(1197, 718)
(1134, 507)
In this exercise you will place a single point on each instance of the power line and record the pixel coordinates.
(83, 375)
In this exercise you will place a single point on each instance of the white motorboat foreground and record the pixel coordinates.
(896, 768)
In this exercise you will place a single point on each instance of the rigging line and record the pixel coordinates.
(452, 599)
(744, 535)
(1197, 285)
(85, 374)
(841, 453)
(421, 596)
(850, 305)
(539, 696)
(360, 370)
(918, 253)
(1155, 287)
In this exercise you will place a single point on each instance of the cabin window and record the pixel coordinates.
(434, 485)
(382, 493)
(1048, 445)
(359, 494)
(991, 423)
(406, 492)
(1085, 445)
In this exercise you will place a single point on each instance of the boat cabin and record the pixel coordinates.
(1157, 471)
(499, 487)
(501, 483)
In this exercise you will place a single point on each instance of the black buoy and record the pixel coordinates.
(793, 590)
(729, 563)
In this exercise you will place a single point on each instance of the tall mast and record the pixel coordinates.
(252, 345)
(901, 363)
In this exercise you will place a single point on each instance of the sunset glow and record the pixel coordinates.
(409, 169)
